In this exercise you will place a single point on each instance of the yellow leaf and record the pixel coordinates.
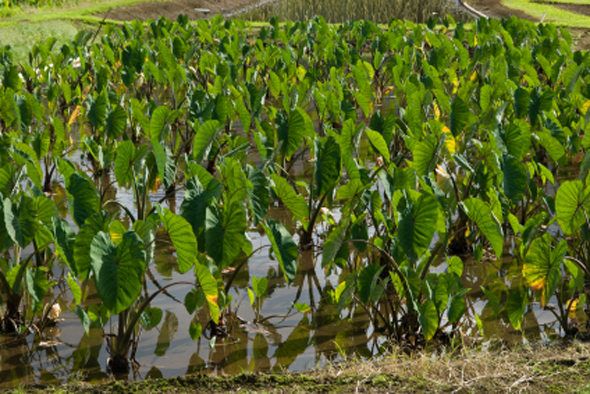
(585, 107)
(436, 111)
(301, 72)
(450, 141)
(572, 306)
(74, 115)
(535, 284)
(473, 76)
(157, 184)
(578, 158)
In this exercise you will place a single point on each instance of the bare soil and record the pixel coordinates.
(171, 9)
(582, 9)
(495, 9)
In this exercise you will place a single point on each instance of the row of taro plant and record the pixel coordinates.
(420, 144)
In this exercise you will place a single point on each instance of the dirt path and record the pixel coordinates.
(171, 9)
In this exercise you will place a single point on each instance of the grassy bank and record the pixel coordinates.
(532, 369)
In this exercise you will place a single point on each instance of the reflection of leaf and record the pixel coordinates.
(169, 328)
(294, 346)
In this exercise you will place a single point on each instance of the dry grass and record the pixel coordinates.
(533, 368)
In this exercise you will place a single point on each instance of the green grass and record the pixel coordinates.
(554, 14)
(21, 36)
(586, 2)
(83, 13)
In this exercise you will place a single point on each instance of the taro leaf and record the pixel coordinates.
(521, 102)
(259, 286)
(428, 319)
(514, 141)
(151, 317)
(118, 270)
(542, 267)
(336, 239)
(124, 162)
(243, 114)
(85, 198)
(182, 238)
(193, 300)
(327, 165)
(99, 221)
(160, 118)
(196, 200)
(457, 306)
(294, 202)
(260, 197)
(455, 265)
(64, 242)
(224, 232)
(290, 132)
(515, 178)
(46, 209)
(378, 143)
(116, 231)
(237, 186)
(147, 232)
(116, 122)
(84, 318)
(195, 330)
(481, 214)
(283, 246)
(572, 204)
(363, 100)
(75, 289)
(98, 111)
(204, 136)
(37, 284)
(348, 136)
(417, 223)
(426, 154)
(41, 143)
(459, 116)
(24, 155)
(165, 162)
(20, 219)
(555, 148)
(516, 307)
(209, 287)
(367, 281)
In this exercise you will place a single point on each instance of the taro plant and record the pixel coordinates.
(26, 277)
(320, 191)
(256, 295)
